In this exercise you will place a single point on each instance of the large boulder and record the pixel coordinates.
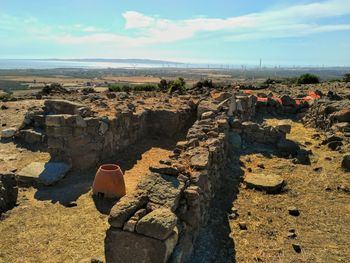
(8, 192)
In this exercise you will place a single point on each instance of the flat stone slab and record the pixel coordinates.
(46, 173)
(269, 183)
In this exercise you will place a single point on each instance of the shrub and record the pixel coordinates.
(88, 90)
(177, 85)
(114, 88)
(308, 79)
(146, 87)
(346, 77)
(54, 88)
(163, 85)
(128, 88)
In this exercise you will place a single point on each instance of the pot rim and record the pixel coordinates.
(109, 167)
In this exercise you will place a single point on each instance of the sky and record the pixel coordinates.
(280, 32)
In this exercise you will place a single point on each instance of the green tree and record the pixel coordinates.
(346, 77)
(177, 85)
(308, 79)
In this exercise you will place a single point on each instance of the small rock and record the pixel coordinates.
(96, 260)
(261, 165)
(334, 145)
(291, 234)
(297, 248)
(111, 95)
(71, 204)
(242, 226)
(293, 211)
(8, 133)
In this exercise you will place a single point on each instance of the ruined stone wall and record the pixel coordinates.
(161, 220)
(87, 141)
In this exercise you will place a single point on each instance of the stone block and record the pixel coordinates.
(56, 120)
(125, 208)
(123, 246)
(158, 224)
(162, 189)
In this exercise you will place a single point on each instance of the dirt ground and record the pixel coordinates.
(62, 223)
(315, 190)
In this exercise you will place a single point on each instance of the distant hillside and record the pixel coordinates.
(115, 60)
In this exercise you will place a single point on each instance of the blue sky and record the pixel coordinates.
(281, 32)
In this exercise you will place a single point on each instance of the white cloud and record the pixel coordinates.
(137, 20)
(290, 21)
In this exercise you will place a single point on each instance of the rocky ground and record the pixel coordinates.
(305, 220)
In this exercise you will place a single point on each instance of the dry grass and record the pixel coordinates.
(322, 227)
(40, 229)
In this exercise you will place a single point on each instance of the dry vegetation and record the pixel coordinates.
(315, 190)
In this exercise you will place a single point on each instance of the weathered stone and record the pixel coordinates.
(165, 169)
(284, 126)
(47, 173)
(162, 189)
(287, 146)
(122, 246)
(8, 133)
(62, 107)
(200, 159)
(268, 183)
(342, 115)
(207, 115)
(205, 106)
(346, 162)
(125, 208)
(56, 120)
(130, 225)
(158, 224)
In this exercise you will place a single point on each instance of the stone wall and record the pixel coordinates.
(161, 219)
(75, 135)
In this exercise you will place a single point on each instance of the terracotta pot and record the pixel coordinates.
(109, 181)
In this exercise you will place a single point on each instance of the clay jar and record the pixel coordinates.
(109, 181)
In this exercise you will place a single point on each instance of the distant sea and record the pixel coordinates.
(52, 64)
